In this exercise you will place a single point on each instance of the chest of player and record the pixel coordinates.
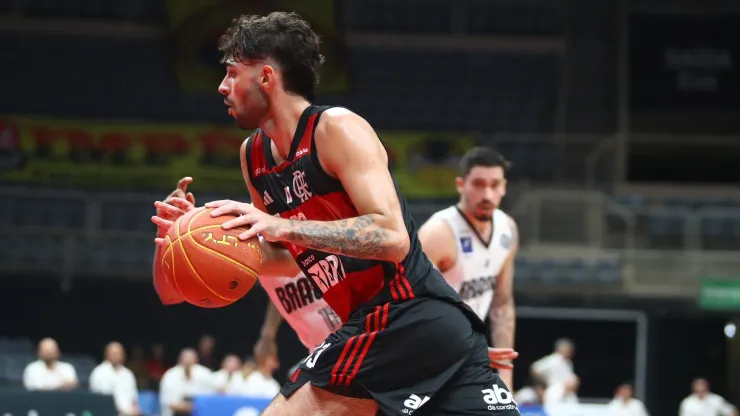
(299, 190)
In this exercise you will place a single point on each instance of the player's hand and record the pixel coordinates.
(500, 358)
(256, 221)
(173, 207)
(168, 213)
(181, 191)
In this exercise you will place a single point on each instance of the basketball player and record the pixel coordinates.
(474, 244)
(293, 299)
(323, 196)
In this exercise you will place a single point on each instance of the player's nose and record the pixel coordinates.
(223, 89)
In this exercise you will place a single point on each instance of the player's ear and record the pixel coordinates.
(503, 187)
(459, 183)
(267, 76)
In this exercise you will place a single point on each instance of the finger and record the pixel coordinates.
(177, 193)
(501, 365)
(182, 204)
(160, 242)
(219, 203)
(244, 221)
(503, 354)
(508, 357)
(190, 198)
(168, 209)
(183, 183)
(233, 208)
(162, 223)
(251, 232)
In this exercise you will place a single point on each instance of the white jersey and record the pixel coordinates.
(474, 273)
(302, 307)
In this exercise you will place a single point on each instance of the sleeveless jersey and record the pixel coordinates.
(474, 273)
(300, 189)
(302, 307)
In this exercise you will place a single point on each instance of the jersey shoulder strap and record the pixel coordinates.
(254, 155)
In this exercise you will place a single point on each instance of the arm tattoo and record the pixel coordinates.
(359, 237)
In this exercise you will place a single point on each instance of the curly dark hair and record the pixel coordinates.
(282, 36)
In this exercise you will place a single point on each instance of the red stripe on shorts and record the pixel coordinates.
(374, 322)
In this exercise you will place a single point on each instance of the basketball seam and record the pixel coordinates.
(185, 255)
(172, 259)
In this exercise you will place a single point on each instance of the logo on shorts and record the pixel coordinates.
(413, 403)
(499, 398)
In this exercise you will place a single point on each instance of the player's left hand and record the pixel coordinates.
(500, 358)
(255, 220)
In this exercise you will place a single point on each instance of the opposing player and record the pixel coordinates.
(321, 189)
(474, 244)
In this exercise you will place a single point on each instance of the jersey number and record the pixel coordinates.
(311, 359)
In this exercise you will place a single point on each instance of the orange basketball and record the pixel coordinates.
(210, 266)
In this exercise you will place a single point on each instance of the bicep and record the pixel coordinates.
(438, 243)
(350, 150)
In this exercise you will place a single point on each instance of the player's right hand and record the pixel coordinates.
(173, 207)
(501, 357)
(181, 191)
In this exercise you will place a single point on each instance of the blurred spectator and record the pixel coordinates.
(532, 394)
(155, 365)
(703, 402)
(229, 374)
(137, 364)
(624, 404)
(556, 367)
(562, 392)
(206, 349)
(48, 373)
(259, 382)
(182, 382)
(111, 377)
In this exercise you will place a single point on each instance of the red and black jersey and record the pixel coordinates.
(300, 189)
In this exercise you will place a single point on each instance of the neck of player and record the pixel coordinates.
(482, 227)
(281, 122)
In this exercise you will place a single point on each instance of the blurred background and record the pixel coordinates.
(621, 118)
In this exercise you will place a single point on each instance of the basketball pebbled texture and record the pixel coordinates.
(208, 265)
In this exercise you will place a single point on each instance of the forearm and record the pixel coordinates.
(503, 322)
(363, 237)
(272, 322)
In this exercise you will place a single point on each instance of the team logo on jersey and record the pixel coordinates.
(300, 187)
(466, 243)
(505, 241)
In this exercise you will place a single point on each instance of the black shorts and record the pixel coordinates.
(420, 356)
